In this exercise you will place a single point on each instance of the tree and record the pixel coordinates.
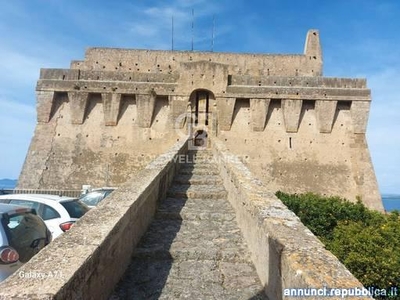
(366, 242)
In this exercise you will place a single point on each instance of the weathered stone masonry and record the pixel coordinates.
(107, 116)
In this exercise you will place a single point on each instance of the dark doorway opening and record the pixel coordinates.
(202, 103)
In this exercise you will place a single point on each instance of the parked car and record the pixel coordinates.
(58, 212)
(22, 235)
(95, 196)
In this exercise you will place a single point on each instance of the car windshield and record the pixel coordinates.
(92, 198)
(22, 231)
(75, 209)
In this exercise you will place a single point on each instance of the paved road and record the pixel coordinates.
(193, 249)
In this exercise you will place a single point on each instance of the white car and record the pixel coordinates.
(22, 235)
(58, 212)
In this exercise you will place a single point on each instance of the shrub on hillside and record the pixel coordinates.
(366, 242)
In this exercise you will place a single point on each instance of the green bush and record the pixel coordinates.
(366, 242)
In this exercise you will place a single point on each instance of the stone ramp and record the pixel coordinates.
(193, 249)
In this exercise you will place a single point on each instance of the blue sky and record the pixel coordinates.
(359, 39)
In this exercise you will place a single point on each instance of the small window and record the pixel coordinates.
(93, 198)
(229, 79)
(26, 203)
(107, 193)
(49, 213)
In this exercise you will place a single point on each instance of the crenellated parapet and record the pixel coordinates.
(324, 92)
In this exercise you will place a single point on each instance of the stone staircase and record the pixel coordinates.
(193, 249)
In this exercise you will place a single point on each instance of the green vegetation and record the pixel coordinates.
(365, 241)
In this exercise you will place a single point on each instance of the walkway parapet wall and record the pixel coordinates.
(88, 261)
(286, 254)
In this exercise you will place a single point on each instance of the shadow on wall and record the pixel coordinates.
(160, 106)
(274, 285)
(152, 261)
(242, 107)
(127, 102)
(151, 264)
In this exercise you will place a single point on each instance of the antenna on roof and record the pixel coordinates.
(192, 26)
(172, 33)
(212, 34)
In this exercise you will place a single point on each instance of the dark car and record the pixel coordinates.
(22, 235)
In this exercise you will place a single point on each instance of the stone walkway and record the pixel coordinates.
(193, 249)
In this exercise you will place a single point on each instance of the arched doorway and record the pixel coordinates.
(200, 107)
(200, 120)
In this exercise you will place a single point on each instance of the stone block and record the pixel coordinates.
(291, 114)
(325, 113)
(259, 110)
(112, 103)
(78, 103)
(44, 105)
(359, 115)
(145, 105)
(226, 107)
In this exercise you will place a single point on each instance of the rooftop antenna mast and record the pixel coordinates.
(192, 27)
(172, 33)
(212, 34)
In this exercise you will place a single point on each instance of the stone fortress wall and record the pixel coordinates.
(106, 117)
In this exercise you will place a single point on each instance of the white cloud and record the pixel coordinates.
(18, 68)
(152, 27)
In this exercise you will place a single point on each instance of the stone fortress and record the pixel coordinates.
(107, 116)
(210, 228)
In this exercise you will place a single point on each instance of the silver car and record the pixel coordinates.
(22, 235)
(95, 196)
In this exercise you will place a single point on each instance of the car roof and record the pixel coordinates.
(43, 198)
(106, 188)
(10, 209)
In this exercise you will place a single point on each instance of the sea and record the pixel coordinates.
(391, 202)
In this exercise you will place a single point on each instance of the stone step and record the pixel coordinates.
(199, 171)
(194, 216)
(199, 254)
(195, 210)
(199, 157)
(195, 205)
(197, 191)
(189, 239)
(191, 279)
(198, 162)
(199, 165)
(198, 179)
(200, 154)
